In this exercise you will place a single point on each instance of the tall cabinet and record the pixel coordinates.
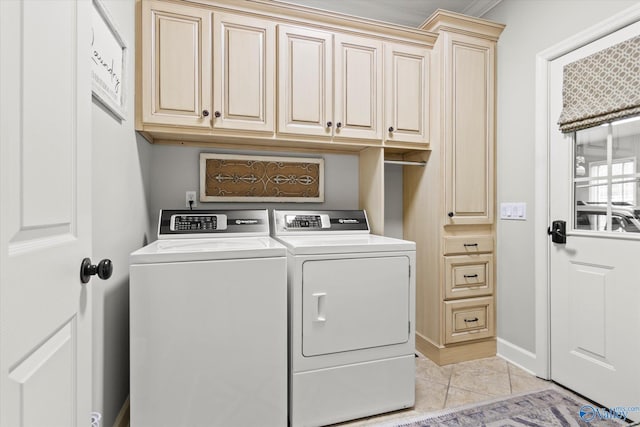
(449, 204)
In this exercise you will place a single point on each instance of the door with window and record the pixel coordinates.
(595, 274)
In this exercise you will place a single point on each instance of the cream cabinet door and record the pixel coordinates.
(469, 130)
(176, 65)
(358, 87)
(305, 81)
(406, 77)
(244, 73)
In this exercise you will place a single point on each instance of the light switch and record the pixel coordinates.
(513, 211)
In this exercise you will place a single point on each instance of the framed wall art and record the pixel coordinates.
(240, 178)
(108, 61)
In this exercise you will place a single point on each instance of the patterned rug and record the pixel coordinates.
(545, 408)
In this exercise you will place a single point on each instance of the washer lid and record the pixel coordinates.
(342, 244)
(181, 250)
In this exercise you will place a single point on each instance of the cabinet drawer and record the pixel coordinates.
(468, 244)
(468, 276)
(470, 319)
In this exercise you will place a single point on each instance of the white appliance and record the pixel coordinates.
(208, 323)
(351, 317)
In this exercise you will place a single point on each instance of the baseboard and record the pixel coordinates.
(518, 356)
(457, 352)
(122, 420)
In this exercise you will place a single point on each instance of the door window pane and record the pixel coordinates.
(606, 178)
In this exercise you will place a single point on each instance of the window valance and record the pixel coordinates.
(601, 87)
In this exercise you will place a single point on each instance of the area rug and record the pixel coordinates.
(545, 408)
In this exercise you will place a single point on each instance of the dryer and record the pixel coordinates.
(351, 317)
(208, 324)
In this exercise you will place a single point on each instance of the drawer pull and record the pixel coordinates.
(475, 319)
(470, 276)
(466, 245)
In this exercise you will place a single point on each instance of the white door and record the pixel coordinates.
(595, 275)
(45, 225)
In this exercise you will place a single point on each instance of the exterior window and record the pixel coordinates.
(623, 181)
(606, 179)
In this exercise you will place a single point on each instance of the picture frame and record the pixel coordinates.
(242, 178)
(108, 61)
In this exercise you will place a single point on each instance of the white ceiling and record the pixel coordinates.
(411, 13)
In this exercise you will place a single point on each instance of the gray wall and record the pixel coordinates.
(120, 220)
(532, 26)
(393, 201)
(175, 170)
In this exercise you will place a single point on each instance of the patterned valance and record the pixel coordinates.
(601, 87)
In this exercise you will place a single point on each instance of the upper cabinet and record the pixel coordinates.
(329, 86)
(176, 65)
(406, 94)
(243, 73)
(305, 81)
(358, 93)
(202, 69)
(248, 74)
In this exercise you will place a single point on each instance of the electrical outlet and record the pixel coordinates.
(191, 196)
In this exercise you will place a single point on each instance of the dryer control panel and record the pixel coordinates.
(336, 221)
(307, 221)
(176, 224)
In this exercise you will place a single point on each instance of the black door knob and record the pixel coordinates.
(339, 124)
(205, 113)
(217, 114)
(558, 231)
(450, 214)
(104, 269)
(391, 129)
(329, 124)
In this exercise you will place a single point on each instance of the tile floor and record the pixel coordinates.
(443, 387)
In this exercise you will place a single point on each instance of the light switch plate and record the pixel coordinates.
(513, 211)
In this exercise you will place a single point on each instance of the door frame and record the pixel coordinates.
(543, 126)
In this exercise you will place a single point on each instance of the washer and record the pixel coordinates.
(208, 304)
(351, 317)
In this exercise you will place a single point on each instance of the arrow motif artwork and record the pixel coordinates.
(241, 178)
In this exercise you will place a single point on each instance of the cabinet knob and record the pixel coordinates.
(205, 113)
(391, 129)
(329, 124)
(450, 214)
(339, 124)
(217, 114)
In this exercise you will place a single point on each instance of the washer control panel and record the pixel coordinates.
(198, 222)
(180, 224)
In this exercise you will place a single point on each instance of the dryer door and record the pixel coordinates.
(356, 303)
